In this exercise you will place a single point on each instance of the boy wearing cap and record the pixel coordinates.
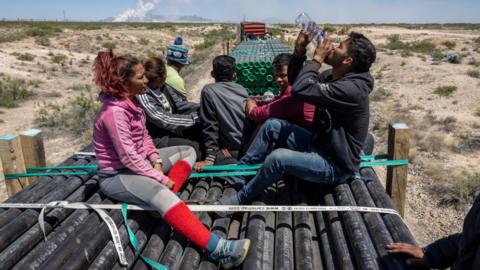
(177, 58)
(222, 113)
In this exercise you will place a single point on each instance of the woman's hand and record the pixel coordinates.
(157, 165)
(170, 184)
(419, 259)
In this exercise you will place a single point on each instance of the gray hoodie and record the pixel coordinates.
(222, 113)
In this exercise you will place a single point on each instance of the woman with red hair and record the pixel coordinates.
(132, 169)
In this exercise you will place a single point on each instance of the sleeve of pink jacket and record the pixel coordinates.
(119, 130)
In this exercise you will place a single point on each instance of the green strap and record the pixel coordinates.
(232, 167)
(134, 242)
(212, 171)
(399, 162)
(373, 157)
(226, 173)
(258, 166)
(76, 167)
(20, 175)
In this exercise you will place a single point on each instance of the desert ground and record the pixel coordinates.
(438, 100)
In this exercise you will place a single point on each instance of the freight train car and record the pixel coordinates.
(252, 30)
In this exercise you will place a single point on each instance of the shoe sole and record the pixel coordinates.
(246, 247)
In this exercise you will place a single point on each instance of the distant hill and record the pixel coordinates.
(163, 18)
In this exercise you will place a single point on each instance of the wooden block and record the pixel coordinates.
(12, 161)
(3, 188)
(398, 148)
(33, 150)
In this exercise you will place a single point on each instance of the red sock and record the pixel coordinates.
(186, 223)
(179, 174)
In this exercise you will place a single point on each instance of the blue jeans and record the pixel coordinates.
(294, 154)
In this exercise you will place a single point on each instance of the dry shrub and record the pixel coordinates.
(474, 74)
(463, 188)
(445, 90)
(449, 123)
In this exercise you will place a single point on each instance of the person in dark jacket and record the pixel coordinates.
(222, 113)
(171, 119)
(460, 251)
(330, 153)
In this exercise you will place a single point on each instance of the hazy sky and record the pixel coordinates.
(340, 11)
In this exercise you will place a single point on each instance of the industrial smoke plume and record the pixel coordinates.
(141, 12)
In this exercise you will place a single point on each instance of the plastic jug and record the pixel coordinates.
(304, 22)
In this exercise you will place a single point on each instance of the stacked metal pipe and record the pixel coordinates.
(78, 239)
(258, 50)
(254, 64)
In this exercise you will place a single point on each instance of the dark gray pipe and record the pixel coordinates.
(25, 194)
(220, 227)
(108, 256)
(15, 251)
(269, 234)
(87, 252)
(284, 258)
(302, 233)
(25, 220)
(143, 234)
(341, 253)
(256, 234)
(155, 245)
(362, 247)
(88, 231)
(397, 228)
(378, 231)
(193, 254)
(44, 250)
(324, 242)
(36, 194)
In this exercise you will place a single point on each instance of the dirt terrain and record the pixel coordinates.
(57, 82)
(445, 128)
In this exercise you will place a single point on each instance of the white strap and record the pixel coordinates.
(81, 205)
(91, 154)
(41, 222)
(214, 208)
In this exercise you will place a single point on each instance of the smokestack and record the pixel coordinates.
(141, 12)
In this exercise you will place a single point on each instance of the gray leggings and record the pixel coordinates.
(125, 186)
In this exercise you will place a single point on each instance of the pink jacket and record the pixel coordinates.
(287, 107)
(121, 139)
